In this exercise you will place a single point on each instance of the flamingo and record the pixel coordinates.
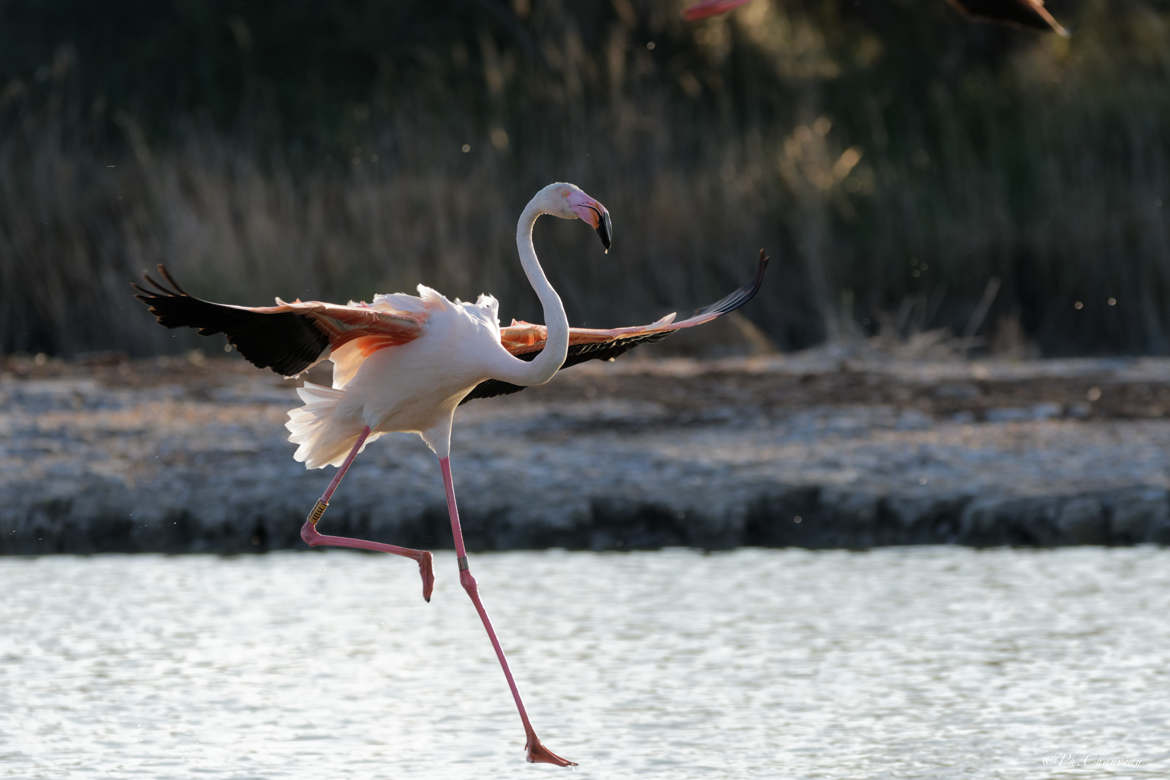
(1023, 13)
(404, 363)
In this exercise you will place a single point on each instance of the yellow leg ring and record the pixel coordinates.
(318, 510)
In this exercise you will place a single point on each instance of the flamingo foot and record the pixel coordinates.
(539, 754)
(426, 568)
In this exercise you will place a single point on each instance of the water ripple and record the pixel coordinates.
(909, 663)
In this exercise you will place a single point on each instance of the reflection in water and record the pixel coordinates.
(909, 662)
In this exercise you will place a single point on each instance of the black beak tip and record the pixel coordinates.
(605, 231)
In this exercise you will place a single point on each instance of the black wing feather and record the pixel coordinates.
(607, 350)
(1018, 12)
(286, 342)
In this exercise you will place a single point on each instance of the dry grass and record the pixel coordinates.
(1045, 171)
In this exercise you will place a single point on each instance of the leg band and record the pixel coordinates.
(318, 510)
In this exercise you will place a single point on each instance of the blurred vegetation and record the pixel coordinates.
(906, 168)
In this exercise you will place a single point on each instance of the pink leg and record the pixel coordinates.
(536, 751)
(314, 539)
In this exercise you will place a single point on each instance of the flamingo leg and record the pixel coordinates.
(314, 539)
(536, 751)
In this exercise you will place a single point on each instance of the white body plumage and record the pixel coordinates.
(413, 388)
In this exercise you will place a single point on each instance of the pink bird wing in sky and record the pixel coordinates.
(288, 337)
(711, 8)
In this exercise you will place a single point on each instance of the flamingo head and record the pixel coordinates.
(568, 201)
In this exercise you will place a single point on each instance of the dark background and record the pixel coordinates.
(906, 168)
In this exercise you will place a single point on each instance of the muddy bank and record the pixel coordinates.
(190, 455)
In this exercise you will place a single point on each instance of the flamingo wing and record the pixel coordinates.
(525, 340)
(1023, 13)
(710, 8)
(289, 337)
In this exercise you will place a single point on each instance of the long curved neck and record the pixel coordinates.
(545, 365)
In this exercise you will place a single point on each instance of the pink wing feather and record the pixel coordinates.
(710, 8)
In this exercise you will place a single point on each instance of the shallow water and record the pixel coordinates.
(904, 662)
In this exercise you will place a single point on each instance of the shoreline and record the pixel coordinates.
(817, 449)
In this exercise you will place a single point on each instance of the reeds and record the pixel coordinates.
(1030, 165)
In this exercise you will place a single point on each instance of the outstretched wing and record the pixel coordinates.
(525, 340)
(287, 338)
(1024, 13)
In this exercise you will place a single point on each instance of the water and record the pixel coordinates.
(914, 662)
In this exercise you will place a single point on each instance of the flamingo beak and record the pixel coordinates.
(604, 229)
(596, 215)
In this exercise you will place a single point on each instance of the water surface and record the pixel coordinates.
(903, 662)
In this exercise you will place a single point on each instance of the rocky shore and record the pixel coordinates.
(815, 450)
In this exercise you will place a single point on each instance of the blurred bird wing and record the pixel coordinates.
(710, 8)
(525, 340)
(1024, 13)
(287, 337)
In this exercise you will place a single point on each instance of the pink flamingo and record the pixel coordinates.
(1023, 13)
(405, 362)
